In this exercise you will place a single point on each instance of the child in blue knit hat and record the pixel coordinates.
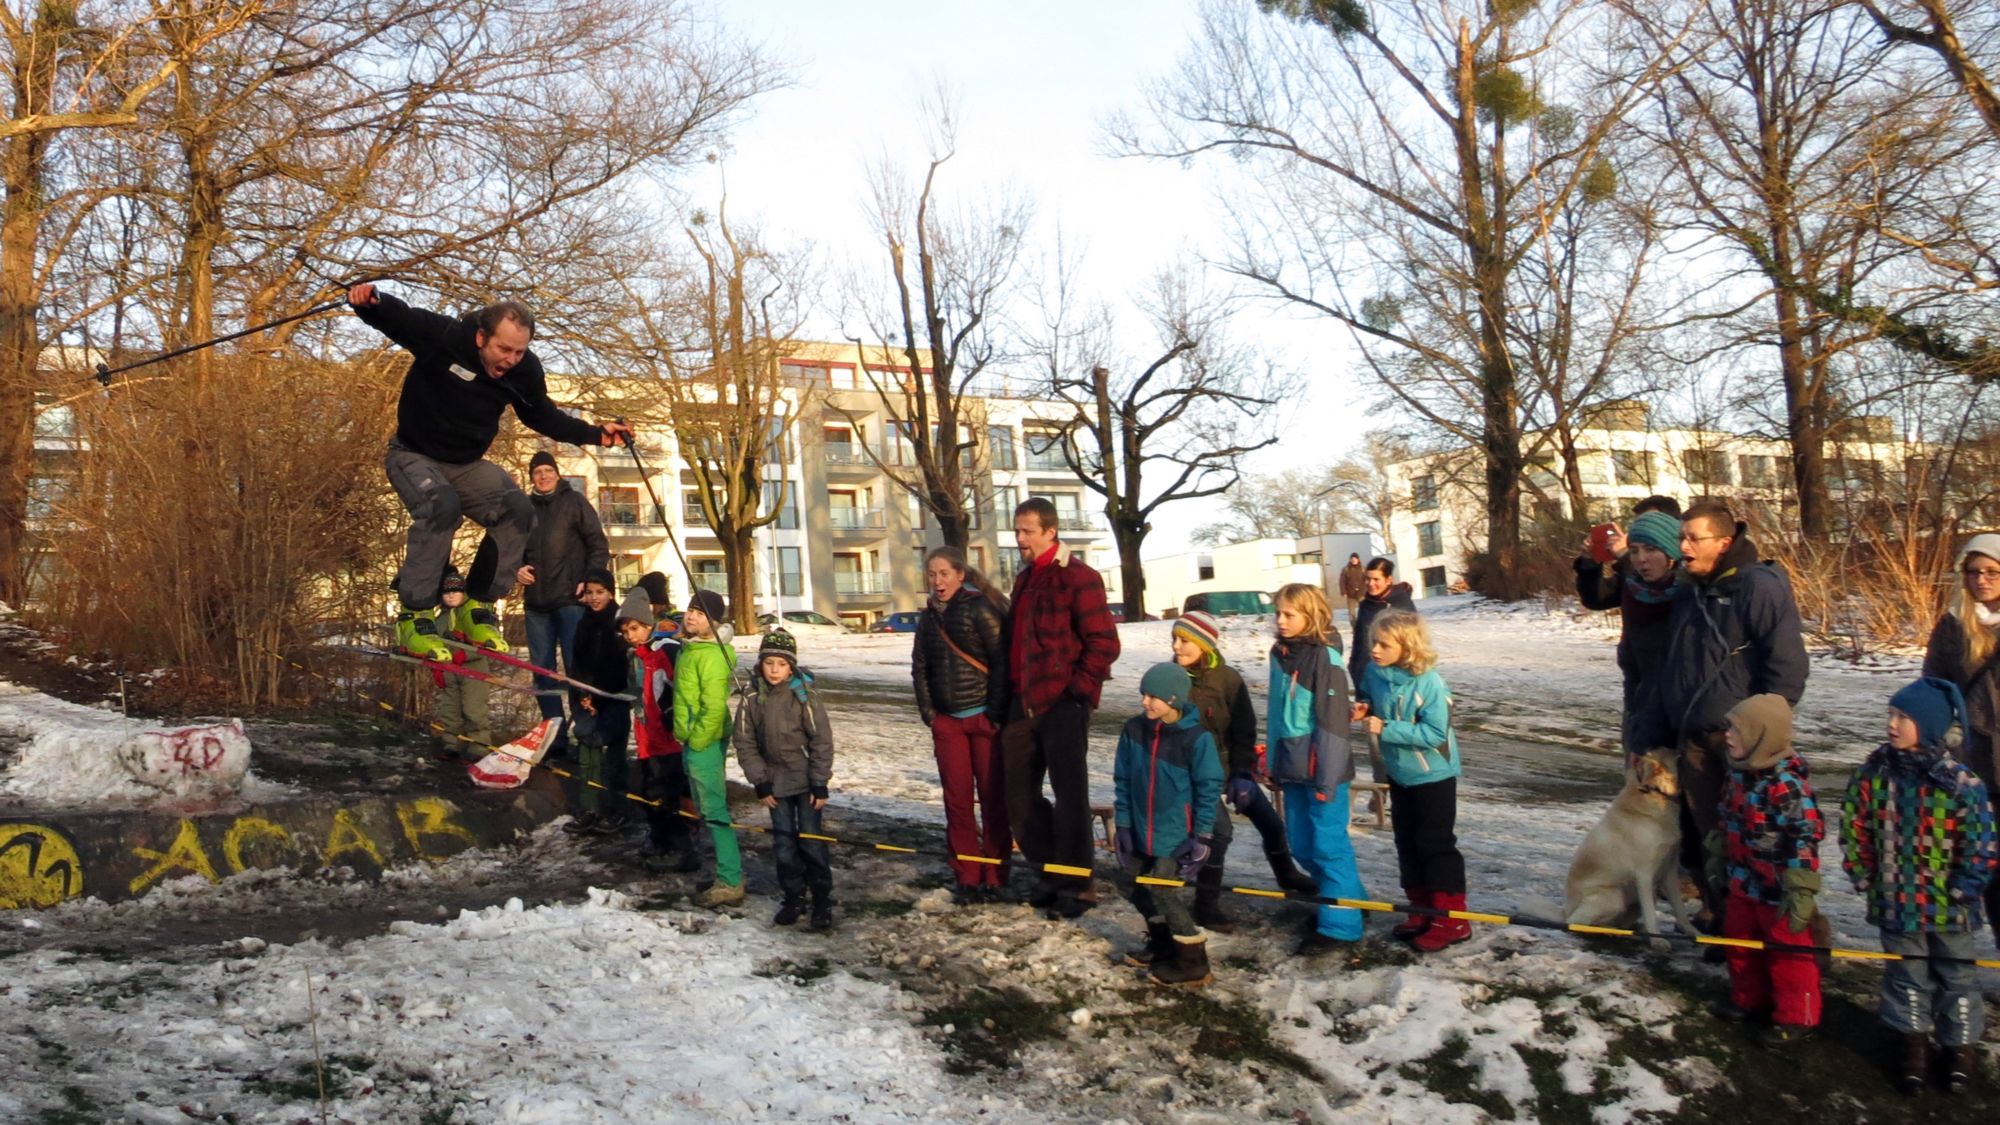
(1167, 780)
(1919, 841)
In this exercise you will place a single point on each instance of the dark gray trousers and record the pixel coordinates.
(438, 495)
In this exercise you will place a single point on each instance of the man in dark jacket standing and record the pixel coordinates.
(1353, 584)
(567, 543)
(1062, 642)
(1733, 633)
(464, 372)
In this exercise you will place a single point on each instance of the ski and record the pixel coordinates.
(452, 669)
(514, 661)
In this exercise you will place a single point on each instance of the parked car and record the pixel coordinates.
(1230, 603)
(903, 622)
(803, 623)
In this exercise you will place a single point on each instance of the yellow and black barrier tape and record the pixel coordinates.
(1373, 906)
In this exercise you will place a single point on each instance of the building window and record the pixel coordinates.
(626, 569)
(1000, 447)
(576, 484)
(1631, 467)
(620, 507)
(1707, 468)
(1424, 493)
(976, 555)
(1433, 579)
(920, 514)
(787, 506)
(1430, 539)
(778, 441)
(59, 421)
(1204, 568)
(791, 579)
(1045, 451)
(1760, 470)
(691, 513)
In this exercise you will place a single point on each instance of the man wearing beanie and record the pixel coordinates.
(1917, 839)
(1167, 782)
(1763, 860)
(1639, 583)
(464, 373)
(567, 542)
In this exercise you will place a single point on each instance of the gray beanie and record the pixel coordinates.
(635, 607)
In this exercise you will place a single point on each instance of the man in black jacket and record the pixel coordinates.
(567, 545)
(463, 374)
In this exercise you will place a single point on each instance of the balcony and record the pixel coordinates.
(861, 583)
(632, 519)
(848, 457)
(717, 583)
(1048, 461)
(858, 521)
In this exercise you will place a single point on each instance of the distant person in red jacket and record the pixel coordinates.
(1062, 643)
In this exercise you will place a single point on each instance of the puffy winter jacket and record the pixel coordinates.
(1917, 836)
(1770, 822)
(1167, 781)
(599, 656)
(946, 681)
(784, 741)
(1732, 636)
(567, 542)
(701, 694)
(1418, 744)
(1945, 657)
(1358, 659)
(453, 419)
(1223, 702)
(1061, 638)
(1307, 717)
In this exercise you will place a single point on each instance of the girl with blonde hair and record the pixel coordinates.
(1962, 649)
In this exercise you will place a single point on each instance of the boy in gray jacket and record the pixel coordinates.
(784, 743)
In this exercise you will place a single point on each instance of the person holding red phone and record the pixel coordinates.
(1633, 572)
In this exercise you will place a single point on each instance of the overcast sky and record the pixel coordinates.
(1034, 81)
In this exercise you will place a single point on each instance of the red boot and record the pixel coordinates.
(1444, 931)
(1415, 924)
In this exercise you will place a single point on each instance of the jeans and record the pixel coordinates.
(1919, 996)
(1317, 825)
(802, 864)
(548, 631)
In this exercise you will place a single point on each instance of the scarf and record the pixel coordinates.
(1926, 763)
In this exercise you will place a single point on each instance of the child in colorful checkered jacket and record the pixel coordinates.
(1764, 858)
(1918, 837)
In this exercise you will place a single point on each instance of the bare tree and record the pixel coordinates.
(1934, 26)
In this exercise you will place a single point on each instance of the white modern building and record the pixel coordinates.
(1258, 564)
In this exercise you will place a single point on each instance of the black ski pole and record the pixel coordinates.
(646, 479)
(104, 372)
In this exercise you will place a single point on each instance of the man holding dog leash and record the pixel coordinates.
(464, 373)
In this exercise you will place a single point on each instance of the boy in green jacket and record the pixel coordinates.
(702, 677)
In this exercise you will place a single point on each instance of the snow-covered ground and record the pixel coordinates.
(623, 1005)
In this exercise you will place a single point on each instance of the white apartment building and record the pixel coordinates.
(1256, 564)
(1440, 515)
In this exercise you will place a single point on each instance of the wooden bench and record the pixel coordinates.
(1373, 789)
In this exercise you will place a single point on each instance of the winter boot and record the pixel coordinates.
(1289, 877)
(788, 912)
(1443, 931)
(1914, 1069)
(475, 622)
(822, 912)
(1187, 967)
(721, 894)
(1960, 1065)
(1159, 943)
(1415, 924)
(416, 634)
(1208, 910)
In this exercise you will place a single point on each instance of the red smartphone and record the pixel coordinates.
(1600, 542)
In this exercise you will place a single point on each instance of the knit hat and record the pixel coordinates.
(1659, 531)
(1201, 627)
(600, 576)
(1169, 683)
(1987, 544)
(655, 585)
(541, 457)
(635, 607)
(711, 604)
(1936, 707)
(454, 582)
(778, 642)
(1764, 725)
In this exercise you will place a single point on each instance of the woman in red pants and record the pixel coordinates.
(959, 664)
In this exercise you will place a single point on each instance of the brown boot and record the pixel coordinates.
(1159, 945)
(1187, 967)
(1914, 1069)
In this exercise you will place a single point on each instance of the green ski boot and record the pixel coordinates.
(475, 622)
(416, 634)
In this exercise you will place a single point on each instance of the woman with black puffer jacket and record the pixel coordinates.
(959, 665)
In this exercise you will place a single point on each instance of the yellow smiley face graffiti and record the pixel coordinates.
(38, 867)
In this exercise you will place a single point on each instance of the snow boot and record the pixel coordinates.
(1289, 877)
(416, 634)
(475, 622)
(1188, 965)
(822, 911)
(1960, 1065)
(584, 825)
(1415, 924)
(1159, 943)
(1208, 911)
(788, 912)
(1443, 931)
(1914, 1070)
(721, 894)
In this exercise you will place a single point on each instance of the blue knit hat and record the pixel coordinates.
(1657, 530)
(1168, 683)
(1937, 708)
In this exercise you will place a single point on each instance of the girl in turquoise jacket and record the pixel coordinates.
(1406, 705)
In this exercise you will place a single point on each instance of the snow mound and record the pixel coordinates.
(76, 755)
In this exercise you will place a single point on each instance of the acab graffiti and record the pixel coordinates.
(41, 866)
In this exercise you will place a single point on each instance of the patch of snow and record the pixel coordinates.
(76, 756)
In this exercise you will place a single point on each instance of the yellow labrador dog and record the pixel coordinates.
(1632, 857)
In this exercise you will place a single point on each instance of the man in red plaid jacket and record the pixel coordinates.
(1063, 642)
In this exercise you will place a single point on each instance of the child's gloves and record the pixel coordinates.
(1127, 847)
(1715, 861)
(1192, 853)
(1242, 792)
(1801, 886)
